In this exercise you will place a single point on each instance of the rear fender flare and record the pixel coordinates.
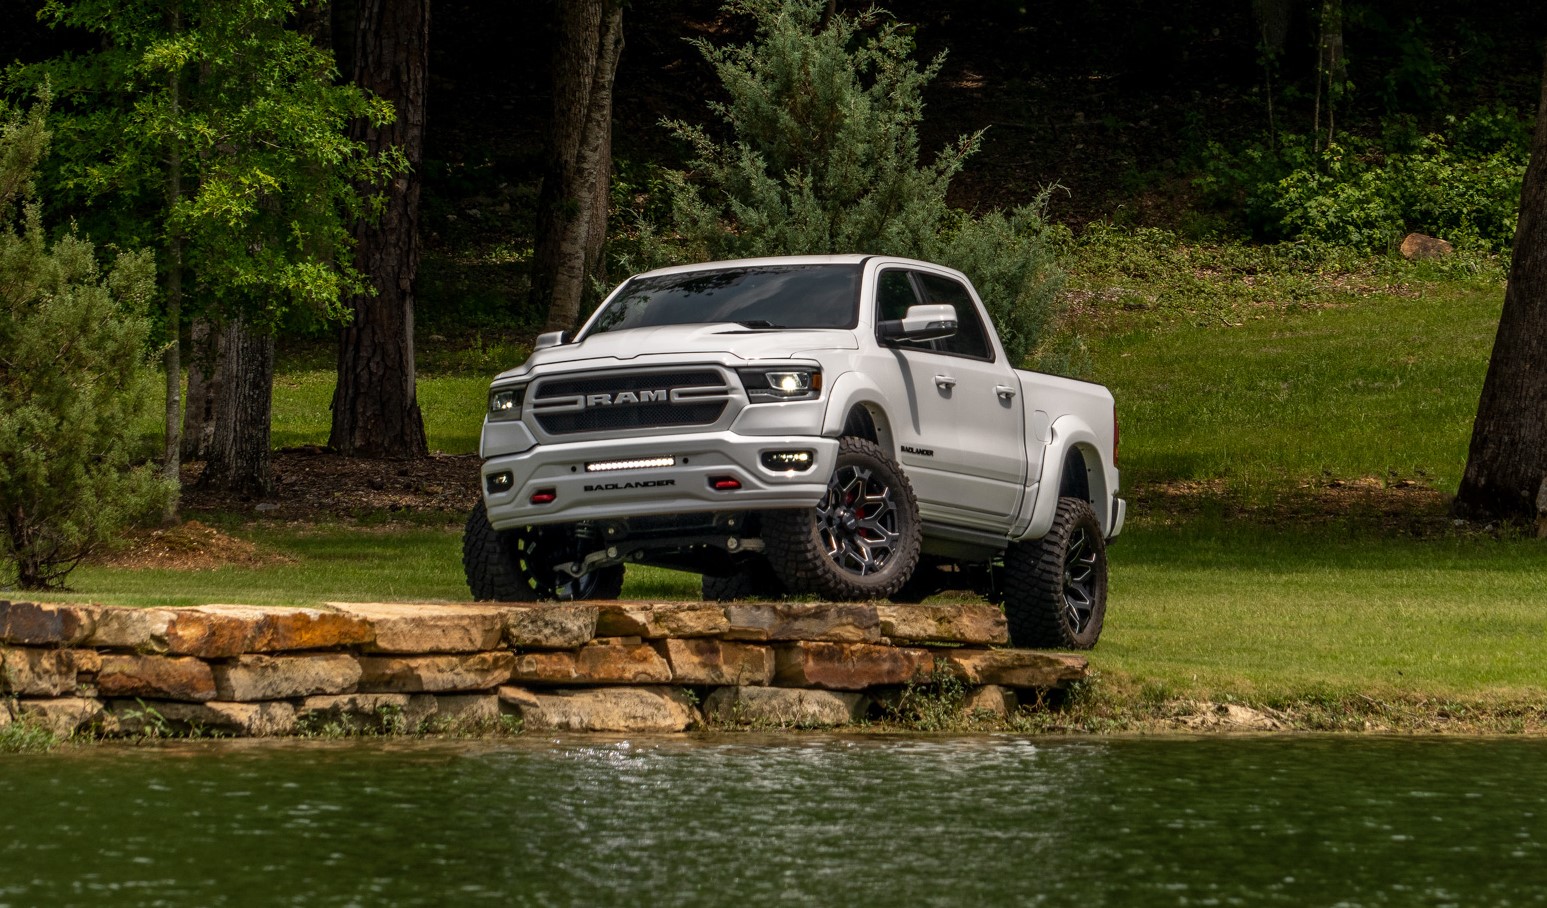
(1070, 437)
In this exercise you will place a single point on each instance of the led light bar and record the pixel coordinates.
(608, 466)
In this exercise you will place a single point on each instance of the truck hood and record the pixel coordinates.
(675, 342)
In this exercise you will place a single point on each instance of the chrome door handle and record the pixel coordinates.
(1005, 392)
(945, 382)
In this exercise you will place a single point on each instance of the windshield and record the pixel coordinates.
(764, 296)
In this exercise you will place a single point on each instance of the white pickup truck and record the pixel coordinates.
(840, 426)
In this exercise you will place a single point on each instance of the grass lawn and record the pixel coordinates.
(1383, 385)
(1219, 610)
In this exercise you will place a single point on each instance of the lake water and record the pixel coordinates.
(1287, 820)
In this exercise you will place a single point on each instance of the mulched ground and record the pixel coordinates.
(1401, 508)
(189, 546)
(312, 483)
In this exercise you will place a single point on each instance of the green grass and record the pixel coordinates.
(452, 405)
(1214, 609)
(1272, 367)
(344, 562)
(1384, 386)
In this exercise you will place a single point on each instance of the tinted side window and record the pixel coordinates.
(894, 294)
(970, 338)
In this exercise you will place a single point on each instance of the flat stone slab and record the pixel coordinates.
(849, 666)
(62, 716)
(1021, 668)
(399, 627)
(156, 677)
(141, 629)
(549, 625)
(244, 720)
(273, 630)
(255, 677)
(949, 623)
(990, 699)
(45, 624)
(708, 662)
(376, 713)
(657, 620)
(838, 622)
(610, 709)
(36, 672)
(451, 672)
(784, 707)
(218, 631)
(597, 664)
(465, 712)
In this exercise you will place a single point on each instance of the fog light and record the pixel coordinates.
(544, 496)
(499, 482)
(796, 461)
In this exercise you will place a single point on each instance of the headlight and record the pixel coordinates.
(780, 384)
(505, 403)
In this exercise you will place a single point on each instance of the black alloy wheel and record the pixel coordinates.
(862, 539)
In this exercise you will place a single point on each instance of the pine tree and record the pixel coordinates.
(75, 377)
(823, 157)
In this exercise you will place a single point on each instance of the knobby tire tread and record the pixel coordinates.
(1033, 585)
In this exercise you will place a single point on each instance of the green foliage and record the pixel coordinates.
(24, 735)
(824, 158)
(825, 150)
(1014, 266)
(249, 113)
(1365, 195)
(73, 380)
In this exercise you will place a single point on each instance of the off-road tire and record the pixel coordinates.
(861, 542)
(756, 580)
(505, 566)
(1055, 588)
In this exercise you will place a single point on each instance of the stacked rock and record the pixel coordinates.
(584, 666)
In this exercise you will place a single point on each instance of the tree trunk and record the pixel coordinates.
(171, 462)
(375, 404)
(1506, 468)
(239, 451)
(1331, 68)
(572, 205)
(205, 345)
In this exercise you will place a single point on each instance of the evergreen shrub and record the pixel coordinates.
(74, 378)
(821, 155)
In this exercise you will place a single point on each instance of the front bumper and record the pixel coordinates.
(687, 486)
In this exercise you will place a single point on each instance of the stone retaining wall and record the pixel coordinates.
(591, 666)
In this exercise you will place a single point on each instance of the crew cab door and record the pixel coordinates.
(962, 438)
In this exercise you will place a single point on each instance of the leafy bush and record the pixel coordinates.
(823, 157)
(74, 379)
(1365, 195)
(1015, 269)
